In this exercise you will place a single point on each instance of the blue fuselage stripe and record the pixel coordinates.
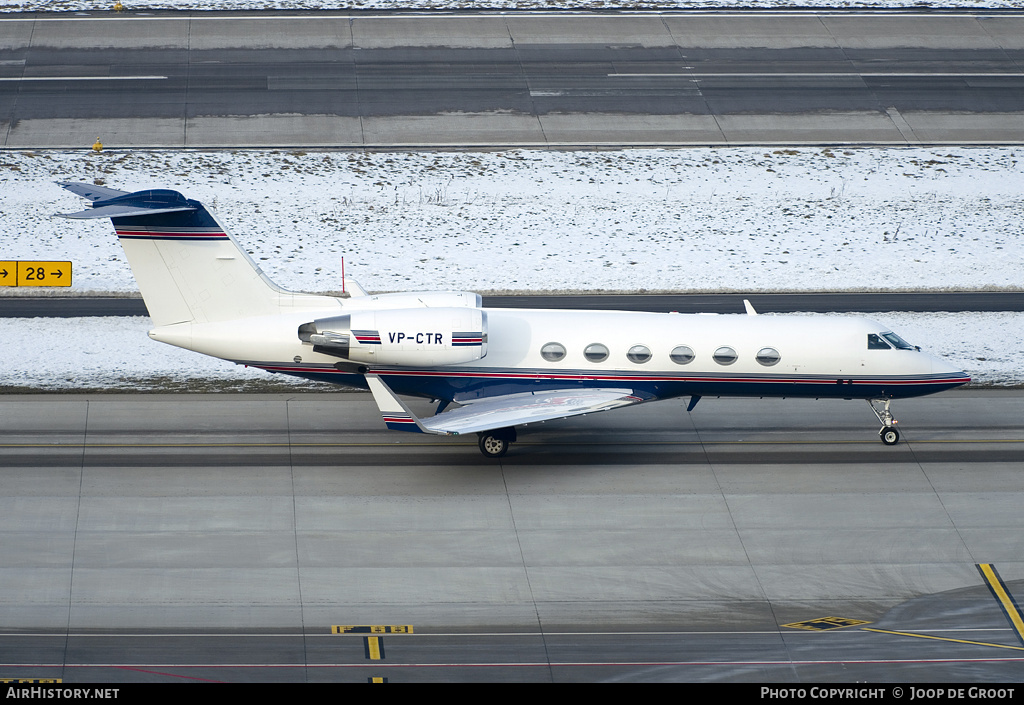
(487, 383)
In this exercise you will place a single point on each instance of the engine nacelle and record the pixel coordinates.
(420, 299)
(412, 337)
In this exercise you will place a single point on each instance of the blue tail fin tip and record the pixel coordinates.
(111, 203)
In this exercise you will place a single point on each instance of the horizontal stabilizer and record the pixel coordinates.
(110, 203)
(91, 191)
(119, 212)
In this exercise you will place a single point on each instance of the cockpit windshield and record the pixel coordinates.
(898, 342)
(875, 342)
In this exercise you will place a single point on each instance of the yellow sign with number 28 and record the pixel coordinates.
(35, 274)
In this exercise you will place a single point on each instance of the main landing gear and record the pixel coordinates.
(888, 433)
(494, 444)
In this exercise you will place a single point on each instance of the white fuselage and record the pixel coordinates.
(768, 355)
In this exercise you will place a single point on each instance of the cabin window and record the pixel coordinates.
(639, 354)
(724, 355)
(875, 342)
(898, 342)
(681, 355)
(768, 357)
(552, 352)
(596, 352)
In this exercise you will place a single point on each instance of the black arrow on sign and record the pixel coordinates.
(57, 274)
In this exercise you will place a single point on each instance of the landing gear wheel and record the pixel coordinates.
(492, 446)
(889, 435)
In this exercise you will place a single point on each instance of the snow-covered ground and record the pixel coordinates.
(441, 5)
(699, 219)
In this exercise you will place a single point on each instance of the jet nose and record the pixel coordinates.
(955, 375)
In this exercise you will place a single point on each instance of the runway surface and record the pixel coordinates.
(833, 302)
(220, 537)
(511, 79)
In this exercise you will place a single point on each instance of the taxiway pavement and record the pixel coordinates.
(222, 537)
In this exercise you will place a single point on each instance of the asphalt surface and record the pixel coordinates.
(835, 302)
(393, 80)
(218, 537)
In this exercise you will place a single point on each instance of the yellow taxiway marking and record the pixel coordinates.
(371, 629)
(1003, 597)
(18, 681)
(822, 624)
(944, 638)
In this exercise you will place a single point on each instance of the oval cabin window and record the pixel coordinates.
(639, 354)
(681, 355)
(724, 355)
(596, 352)
(768, 357)
(552, 352)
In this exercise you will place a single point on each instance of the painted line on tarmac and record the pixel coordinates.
(337, 631)
(945, 638)
(1006, 602)
(23, 79)
(695, 75)
(520, 664)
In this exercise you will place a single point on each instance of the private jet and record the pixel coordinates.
(489, 369)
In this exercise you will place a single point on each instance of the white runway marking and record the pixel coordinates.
(85, 78)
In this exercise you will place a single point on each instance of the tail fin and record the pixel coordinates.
(188, 268)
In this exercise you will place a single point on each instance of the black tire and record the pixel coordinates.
(492, 446)
(889, 435)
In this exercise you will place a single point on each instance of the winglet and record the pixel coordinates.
(749, 307)
(393, 410)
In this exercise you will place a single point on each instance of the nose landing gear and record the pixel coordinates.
(888, 433)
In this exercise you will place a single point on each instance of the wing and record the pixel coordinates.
(498, 412)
